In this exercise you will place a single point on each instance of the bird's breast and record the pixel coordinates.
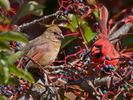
(51, 54)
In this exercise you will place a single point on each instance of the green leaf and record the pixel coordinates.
(2, 97)
(4, 68)
(5, 4)
(15, 36)
(21, 73)
(88, 33)
(128, 39)
(96, 14)
(15, 56)
(13, 81)
(66, 41)
(4, 45)
(32, 7)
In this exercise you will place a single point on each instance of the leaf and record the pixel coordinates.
(73, 20)
(128, 39)
(88, 33)
(12, 58)
(2, 97)
(13, 81)
(66, 41)
(21, 73)
(103, 20)
(5, 4)
(4, 45)
(32, 7)
(15, 36)
(4, 68)
(121, 31)
(96, 14)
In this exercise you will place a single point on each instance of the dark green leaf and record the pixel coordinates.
(66, 41)
(32, 7)
(13, 81)
(5, 4)
(12, 58)
(128, 39)
(15, 36)
(21, 73)
(4, 45)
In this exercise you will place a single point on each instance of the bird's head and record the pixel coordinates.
(100, 48)
(54, 33)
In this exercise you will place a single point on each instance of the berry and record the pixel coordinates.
(3, 91)
(65, 12)
(82, 54)
(109, 66)
(121, 86)
(87, 8)
(124, 95)
(8, 86)
(6, 94)
(94, 38)
(80, 1)
(112, 89)
(104, 92)
(59, 16)
(130, 62)
(13, 90)
(18, 48)
(68, 62)
(75, 47)
(112, 67)
(18, 89)
(81, 9)
(21, 88)
(96, 23)
(87, 51)
(106, 66)
(124, 85)
(73, 1)
(104, 88)
(93, 70)
(30, 58)
(71, 7)
(116, 86)
(102, 70)
(107, 58)
(81, 13)
(17, 43)
(20, 92)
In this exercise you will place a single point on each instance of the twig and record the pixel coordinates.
(47, 76)
(36, 20)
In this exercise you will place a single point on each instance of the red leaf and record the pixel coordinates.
(103, 20)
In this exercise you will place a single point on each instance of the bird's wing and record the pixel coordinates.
(36, 53)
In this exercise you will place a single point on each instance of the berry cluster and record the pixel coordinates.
(72, 6)
(12, 91)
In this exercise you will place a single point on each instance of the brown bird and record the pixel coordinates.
(44, 48)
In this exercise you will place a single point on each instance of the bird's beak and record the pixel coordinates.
(61, 36)
(95, 50)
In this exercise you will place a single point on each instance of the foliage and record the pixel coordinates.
(74, 71)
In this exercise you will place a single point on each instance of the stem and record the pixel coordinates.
(47, 76)
(81, 32)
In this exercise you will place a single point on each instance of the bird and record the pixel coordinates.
(44, 48)
(103, 48)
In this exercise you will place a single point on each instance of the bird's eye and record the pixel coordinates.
(55, 33)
